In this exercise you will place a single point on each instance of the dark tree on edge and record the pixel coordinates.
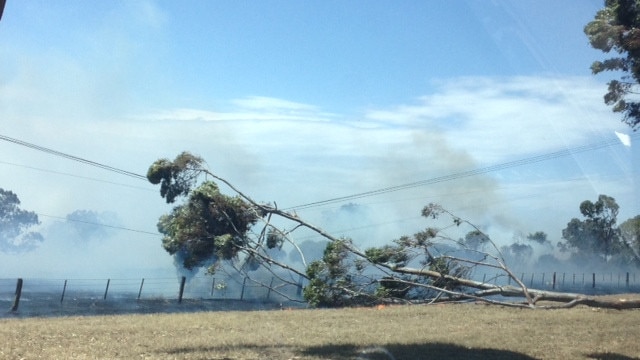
(616, 28)
(15, 223)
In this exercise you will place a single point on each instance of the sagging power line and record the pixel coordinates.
(435, 180)
(72, 157)
(468, 173)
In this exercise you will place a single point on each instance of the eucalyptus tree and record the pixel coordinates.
(597, 233)
(15, 224)
(616, 29)
(208, 228)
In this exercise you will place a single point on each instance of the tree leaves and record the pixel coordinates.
(597, 233)
(14, 223)
(208, 226)
(177, 177)
(617, 28)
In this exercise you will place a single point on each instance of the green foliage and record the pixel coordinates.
(597, 233)
(387, 254)
(392, 287)
(340, 278)
(209, 226)
(14, 225)
(630, 234)
(331, 278)
(177, 177)
(274, 239)
(617, 28)
(446, 266)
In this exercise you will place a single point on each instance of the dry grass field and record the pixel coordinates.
(463, 331)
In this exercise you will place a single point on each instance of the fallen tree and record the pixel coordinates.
(211, 228)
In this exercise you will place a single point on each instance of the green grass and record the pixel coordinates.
(466, 331)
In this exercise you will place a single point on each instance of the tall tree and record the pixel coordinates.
(617, 28)
(630, 233)
(597, 234)
(15, 224)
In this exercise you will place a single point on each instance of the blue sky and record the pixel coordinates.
(300, 102)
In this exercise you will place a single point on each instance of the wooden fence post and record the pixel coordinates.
(594, 281)
(16, 300)
(213, 285)
(182, 282)
(627, 281)
(553, 284)
(244, 282)
(106, 290)
(140, 291)
(64, 289)
(269, 289)
(299, 288)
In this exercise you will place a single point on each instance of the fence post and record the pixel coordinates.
(299, 288)
(594, 280)
(140, 291)
(531, 282)
(542, 279)
(16, 300)
(182, 282)
(64, 289)
(244, 282)
(270, 286)
(627, 281)
(553, 284)
(213, 285)
(106, 290)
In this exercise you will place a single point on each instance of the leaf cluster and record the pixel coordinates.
(331, 280)
(15, 223)
(617, 28)
(597, 233)
(209, 225)
(177, 177)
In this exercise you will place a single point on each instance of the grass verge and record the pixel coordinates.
(464, 331)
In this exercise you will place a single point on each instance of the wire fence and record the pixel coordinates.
(45, 297)
(54, 297)
(584, 282)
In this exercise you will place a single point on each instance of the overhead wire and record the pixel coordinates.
(76, 176)
(468, 173)
(99, 224)
(72, 157)
(430, 181)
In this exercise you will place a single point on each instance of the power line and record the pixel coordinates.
(76, 176)
(435, 180)
(468, 173)
(98, 224)
(71, 157)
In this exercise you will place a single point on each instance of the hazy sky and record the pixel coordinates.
(298, 102)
